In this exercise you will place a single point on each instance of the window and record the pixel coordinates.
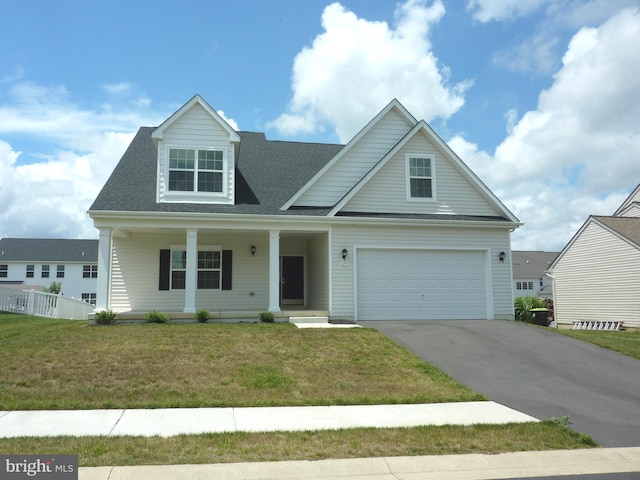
(60, 273)
(4, 271)
(30, 271)
(420, 177)
(89, 298)
(209, 270)
(530, 285)
(45, 271)
(89, 271)
(188, 175)
(519, 285)
(178, 269)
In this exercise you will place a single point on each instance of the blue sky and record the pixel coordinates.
(541, 98)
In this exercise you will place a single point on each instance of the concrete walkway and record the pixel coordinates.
(177, 421)
(437, 467)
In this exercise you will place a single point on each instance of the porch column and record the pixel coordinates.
(192, 272)
(274, 271)
(104, 270)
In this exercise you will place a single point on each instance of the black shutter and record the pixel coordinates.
(227, 264)
(165, 269)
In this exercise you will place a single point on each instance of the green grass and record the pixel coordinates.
(57, 364)
(52, 364)
(262, 447)
(627, 343)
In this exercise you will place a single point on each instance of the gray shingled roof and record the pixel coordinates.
(628, 227)
(48, 250)
(268, 173)
(531, 264)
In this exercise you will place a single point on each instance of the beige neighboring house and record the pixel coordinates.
(391, 226)
(597, 275)
(529, 273)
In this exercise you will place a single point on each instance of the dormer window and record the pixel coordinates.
(188, 175)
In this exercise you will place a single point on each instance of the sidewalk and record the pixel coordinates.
(176, 421)
(438, 467)
(169, 422)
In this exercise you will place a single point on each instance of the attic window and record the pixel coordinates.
(188, 175)
(420, 177)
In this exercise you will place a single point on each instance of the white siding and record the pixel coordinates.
(493, 241)
(598, 278)
(631, 211)
(73, 283)
(386, 192)
(196, 129)
(345, 173)
(135, 273)
(318, 268)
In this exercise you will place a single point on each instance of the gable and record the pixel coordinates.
(387, 190)
(632, 210)
(196, 132)
(357, 158)
(633, 198)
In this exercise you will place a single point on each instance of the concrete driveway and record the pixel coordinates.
(533, 370)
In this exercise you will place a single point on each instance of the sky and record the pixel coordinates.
(540, 98)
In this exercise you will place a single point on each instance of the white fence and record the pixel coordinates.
(30, 302)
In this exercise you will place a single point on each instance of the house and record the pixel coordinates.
(529, 273)
(34, 263)
(392, 225)
(596, 277)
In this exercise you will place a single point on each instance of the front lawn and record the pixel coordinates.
(627, 343)
(57, 364)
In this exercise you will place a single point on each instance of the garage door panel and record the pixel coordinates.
(420, 284)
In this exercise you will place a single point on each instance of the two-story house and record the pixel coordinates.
(392, 225)
(34, 263)
(529, 273)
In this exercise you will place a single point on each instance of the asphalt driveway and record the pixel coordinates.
(533, 370)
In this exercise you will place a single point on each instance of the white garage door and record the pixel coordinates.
(421, 285)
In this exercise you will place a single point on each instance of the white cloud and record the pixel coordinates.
(356, 66)
(489, 10)
(48, 193)
(49, 199)
(232, 123)
(577, 153)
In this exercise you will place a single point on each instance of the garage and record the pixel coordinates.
(421, 284)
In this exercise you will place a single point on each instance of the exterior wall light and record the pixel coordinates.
(344, 254)
(501, 256)
(253, 250)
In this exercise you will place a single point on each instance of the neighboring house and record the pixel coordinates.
(529, 273)
(392, 225)
(34, 263)
(597, 275)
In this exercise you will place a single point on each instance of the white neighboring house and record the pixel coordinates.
(33, 263)
(392, 225)
(529, 273)
(596, 277)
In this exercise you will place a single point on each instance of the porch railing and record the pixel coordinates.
(41, 304)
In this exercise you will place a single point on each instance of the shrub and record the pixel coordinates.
(523, 306)
(105, 317)
(202, 316)
(154, 316)
(266, 317)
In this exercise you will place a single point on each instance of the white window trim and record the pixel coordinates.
(432, 159)
(201, 248)
(196, 196)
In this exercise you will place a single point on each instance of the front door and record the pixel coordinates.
(292, 280)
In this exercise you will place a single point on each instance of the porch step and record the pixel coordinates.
(308, 319)
(596, 325)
